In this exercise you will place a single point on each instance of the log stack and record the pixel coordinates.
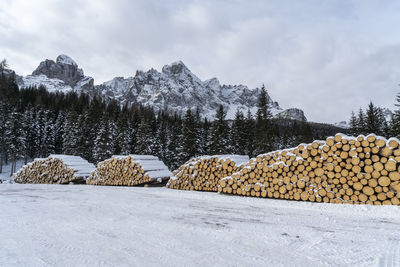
(56, 169)
(130, 170)
(204, 173)
(340, 169)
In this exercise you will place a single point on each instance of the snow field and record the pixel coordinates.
(82, 225)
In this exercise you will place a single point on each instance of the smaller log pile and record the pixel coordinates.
(130, 170)
(203, 173)
(340, 169)
(56, 169)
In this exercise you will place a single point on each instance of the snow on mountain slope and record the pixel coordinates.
(175, 89)
(52, 85)
(63, 75)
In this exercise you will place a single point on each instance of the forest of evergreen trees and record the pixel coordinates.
(35, 123)
(372, 120)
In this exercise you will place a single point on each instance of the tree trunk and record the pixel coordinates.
(1, 162)
(13, 163)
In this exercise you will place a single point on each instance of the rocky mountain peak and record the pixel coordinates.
(175, 89)
(64, 59)
(292, 113)
(175, 68)
(64, 69)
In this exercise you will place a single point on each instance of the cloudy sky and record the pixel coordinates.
(327, 57)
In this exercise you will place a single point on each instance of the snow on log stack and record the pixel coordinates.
(341, 169)
(56, 169)
(204, 173)
(129, 171)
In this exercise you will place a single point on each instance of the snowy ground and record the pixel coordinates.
(5, 175)
(71, 225)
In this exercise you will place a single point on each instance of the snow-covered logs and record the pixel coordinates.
(341, 169)
(129, 171)
(56, 169)
(203, 173)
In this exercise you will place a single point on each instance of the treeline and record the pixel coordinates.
(372, 120)
(35, 123)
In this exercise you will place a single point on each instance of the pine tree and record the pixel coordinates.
(361, 123)
(3, 65)
(72, 133)
(373, 121)
(29, 126)
(174, 153)
(59, 132)
(15, 138)
(48, 138)
(103, 148)
(204, 137)
(145, 139)
(263, 129)
(162, 137)
(189, 136)
(90, 127)
(122, 140)
(353, 125)
(220, 143)
(3, 119)
(306, 132)
(239, 134)
(249, 134)
(395, 123)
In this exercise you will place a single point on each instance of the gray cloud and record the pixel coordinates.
(326, 57)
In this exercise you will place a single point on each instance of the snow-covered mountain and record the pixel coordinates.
(62, 75)
(175, 88)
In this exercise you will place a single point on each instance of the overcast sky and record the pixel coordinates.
(326, 57)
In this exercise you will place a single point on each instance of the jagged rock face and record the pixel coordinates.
(62, 75)
(64, 69)
(175, 89)
(292, 113)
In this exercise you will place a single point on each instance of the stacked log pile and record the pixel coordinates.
(129, 171)
(341, 169)
(204, 173)
(56, 169)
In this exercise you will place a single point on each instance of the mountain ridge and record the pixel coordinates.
(174, 88)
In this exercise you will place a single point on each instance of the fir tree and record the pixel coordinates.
(353, 125)
(220, 143)
(15, 138)
(249, 134)
(103, 148)
(361, 124)
(174, 153)
(3, 119)
(29, 125)
(59, 132)
(162, 137)
(239, 134)
(395, 123)
(189, 136)
(374, 120)
(48, 137)
(263, 128)
(72, 133)
(204, 137)
(3, 65)
(306, 132)
(144, 139)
